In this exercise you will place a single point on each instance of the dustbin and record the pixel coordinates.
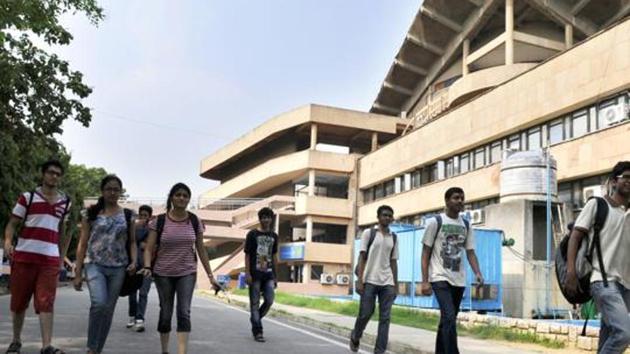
(242, 283)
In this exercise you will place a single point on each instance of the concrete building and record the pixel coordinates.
(302, 164)
(474, 81)
(478, 78)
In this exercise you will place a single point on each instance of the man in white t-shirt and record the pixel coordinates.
(446, 238)
(378, 277)
(613, 301)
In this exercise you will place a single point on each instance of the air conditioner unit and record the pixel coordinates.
(613, 114)
(477, 216)
(343, 279)
(592, 191)
(327, 279)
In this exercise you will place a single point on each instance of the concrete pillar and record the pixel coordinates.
(277, 225)
(568, 36)
(465, 52)
(309, 229)
(509, 32)
(374, 141)
(306, 273)
(311, 183)
(313, 136)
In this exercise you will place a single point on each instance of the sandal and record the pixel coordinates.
(51, 350)
(14, 348)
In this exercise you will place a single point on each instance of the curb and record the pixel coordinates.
(368, 339)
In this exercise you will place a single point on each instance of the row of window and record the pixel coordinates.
(571, 126)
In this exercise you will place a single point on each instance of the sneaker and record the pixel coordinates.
(259, 338)
(354, 345)
(139, 326)
(132, 322)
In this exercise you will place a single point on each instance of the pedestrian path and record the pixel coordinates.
(402, 339)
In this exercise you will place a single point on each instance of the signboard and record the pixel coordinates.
(292, 251)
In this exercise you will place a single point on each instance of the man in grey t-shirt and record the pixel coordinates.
(613, 300)
(378, 277)
(443, 268)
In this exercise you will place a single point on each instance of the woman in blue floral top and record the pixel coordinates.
(105, 237)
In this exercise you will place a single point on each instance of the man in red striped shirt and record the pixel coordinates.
(38, 255)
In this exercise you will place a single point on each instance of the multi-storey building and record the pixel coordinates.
(302, 164)
(472, 79)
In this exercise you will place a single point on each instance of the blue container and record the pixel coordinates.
(488, 249)
(242, 283)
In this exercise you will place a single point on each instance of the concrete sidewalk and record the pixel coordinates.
(402, 339)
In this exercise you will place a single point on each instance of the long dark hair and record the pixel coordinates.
(95, 209)
(174, 189)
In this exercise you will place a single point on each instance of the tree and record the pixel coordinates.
(38, 90)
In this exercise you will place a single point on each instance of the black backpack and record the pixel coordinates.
(585, 257)
(370, 242)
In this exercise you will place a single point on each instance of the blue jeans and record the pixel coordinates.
(138, 300)
(386, 296)
(449, 298)
(167, 288)
(257, 312)
(613, 302)
(104, 284)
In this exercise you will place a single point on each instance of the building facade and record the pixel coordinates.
(472, 82)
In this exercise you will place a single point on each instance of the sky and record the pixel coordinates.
(174, 81)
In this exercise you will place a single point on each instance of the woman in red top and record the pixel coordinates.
(178, 235)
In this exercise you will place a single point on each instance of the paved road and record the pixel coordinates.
(217, 328)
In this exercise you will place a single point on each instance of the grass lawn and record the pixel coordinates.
(408, 317)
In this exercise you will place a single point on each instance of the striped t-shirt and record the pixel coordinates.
(176, 252)
(39, 240)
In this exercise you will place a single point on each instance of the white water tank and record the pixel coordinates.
(524, 176)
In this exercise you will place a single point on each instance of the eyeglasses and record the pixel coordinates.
(112, 190)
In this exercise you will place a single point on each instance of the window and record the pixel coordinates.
(416, 178)
(514, 142)
(556, 131)
(450, 168)
(579, 124)
(480, 157)
(368, 195)
(434, 172)
(609, 113)
(398, 184)
(464, 163)
(406, 181)
(316, 271)
(378, 191)
(390, 187)
(534, 139)
(495, 152)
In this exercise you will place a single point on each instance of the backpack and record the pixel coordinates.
(370, 242)
(132, 282)
(161, 220)
(584, 258)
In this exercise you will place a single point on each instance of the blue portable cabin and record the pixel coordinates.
(488, 244)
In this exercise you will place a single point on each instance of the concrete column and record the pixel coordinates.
(374, 141)
(465, 52)
(509, 32)
(568, 36)
(313, 136)
(306, 273)
(311, 183)
(309, 229)
(277, 225)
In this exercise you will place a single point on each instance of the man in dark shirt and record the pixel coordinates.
(138, 304)
(261, 247)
